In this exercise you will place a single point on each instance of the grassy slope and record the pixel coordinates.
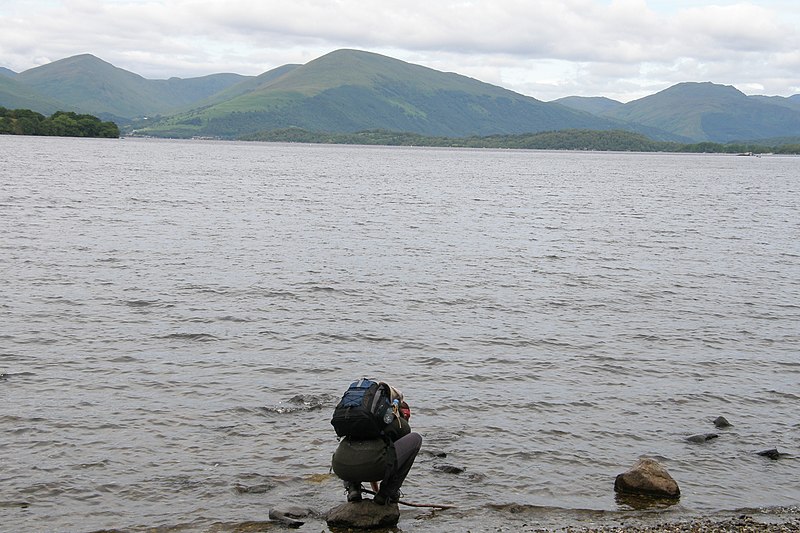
(710, 112)
(597, 105)
(350, 90)
(15, 95)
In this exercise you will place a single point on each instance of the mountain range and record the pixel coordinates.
(352, 90)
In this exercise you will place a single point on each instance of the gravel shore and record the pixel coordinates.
(743, 524)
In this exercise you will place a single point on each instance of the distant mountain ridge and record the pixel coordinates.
(597, 105)
(351, 90)
(87, 83)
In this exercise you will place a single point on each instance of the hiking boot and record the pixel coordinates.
(382, 498)
(353, 491)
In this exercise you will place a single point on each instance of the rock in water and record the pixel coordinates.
(702, 437)
(289, 515)
(365, 514)
(721, 422)
(649, 478)
(773, 454)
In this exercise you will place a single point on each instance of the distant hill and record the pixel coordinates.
(710, 112)
(246, 86)
(89, 84)
(792, 102)
(597, 105)
(350, 90)
(15, 95)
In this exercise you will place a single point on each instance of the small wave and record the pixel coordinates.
(300, 402)
(141, 303)
(199, 337)
(787, 395)
(124, 359)
(8, 375)
(319, 288)
(431, 361)
(229, 318)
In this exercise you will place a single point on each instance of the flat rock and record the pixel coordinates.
(365, 514)
(647, 477)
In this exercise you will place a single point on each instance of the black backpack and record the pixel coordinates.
(360, 413)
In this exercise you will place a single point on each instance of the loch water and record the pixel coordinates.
(178, 318)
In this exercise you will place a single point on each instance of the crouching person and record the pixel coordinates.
(377, 443)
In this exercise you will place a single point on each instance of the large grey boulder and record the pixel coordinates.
(647, 477)
(363, 515)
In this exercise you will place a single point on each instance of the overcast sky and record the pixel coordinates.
(622, 49)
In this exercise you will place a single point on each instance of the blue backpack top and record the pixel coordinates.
(360, 413)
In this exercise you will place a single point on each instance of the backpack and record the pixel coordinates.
(360, 413)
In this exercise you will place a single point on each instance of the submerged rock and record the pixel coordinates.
(721, 422)
(703, 437)
(772, 453)
(647, 477)
(365, 514)
(449, 469)
(289, 515)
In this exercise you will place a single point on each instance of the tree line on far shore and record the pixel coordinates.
(60, 123)
(615, 140)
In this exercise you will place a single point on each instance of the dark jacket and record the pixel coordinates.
(369, 460)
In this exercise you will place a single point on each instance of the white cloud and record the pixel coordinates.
(545, 48)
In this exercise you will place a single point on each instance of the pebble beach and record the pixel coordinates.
(742, 524)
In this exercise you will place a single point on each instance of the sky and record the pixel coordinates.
(547, 49)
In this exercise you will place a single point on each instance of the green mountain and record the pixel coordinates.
(349, 90)
(15, 95)
(710, 112)
(596, 105)
(91, 85)
(249, 85)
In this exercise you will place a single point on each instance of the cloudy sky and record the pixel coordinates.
(623, 49)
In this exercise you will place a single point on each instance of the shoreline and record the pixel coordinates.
(742, 524)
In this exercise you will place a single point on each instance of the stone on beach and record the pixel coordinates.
(365, 514)
(647, 477)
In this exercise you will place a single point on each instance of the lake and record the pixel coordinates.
(180, 317)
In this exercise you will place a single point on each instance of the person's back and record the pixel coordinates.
(387, 458)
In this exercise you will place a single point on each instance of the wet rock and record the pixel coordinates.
(647, 477)
(363, 515)
(473, 476)
(449, 469)
(772, 453)
(252, 489)
(703, 437)
(721, 422)
(289, 515)
(436, 453)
